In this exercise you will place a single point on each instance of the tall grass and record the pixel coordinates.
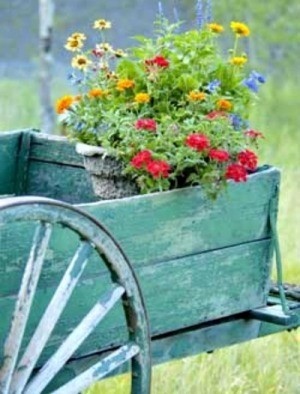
(269, 365)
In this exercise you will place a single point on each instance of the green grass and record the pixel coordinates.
(265, 366)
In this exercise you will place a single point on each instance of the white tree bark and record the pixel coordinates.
(46, 13)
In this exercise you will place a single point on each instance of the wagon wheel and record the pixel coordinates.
(16, 373)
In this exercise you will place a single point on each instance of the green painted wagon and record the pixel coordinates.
(166, 275)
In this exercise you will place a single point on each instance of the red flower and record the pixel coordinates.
(236, 172)
(254, 134)
(158, 168)
(219, 154)
(98, 52)
(197, 141)
(216, 114)
(141, 158)
(159, 61)
(146, 124)
(248, 159)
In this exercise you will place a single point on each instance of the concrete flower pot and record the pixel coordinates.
(106, 173)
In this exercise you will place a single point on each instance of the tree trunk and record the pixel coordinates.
(46, 11)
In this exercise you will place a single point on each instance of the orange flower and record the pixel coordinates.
(142, 98)
(94, 93)
(224, 105)
(124, 84)
(215, 27)
(196, 96)
(64, 104)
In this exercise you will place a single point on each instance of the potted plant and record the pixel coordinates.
(169, 113)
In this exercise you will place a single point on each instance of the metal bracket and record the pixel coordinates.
(273, 314)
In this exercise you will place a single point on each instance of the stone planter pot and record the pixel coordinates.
(106, 173)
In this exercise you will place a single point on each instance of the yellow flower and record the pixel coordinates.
(215, 27)
(64, 103)
(240, 29)
(142, 98)
(196, 96)
(105, 47)
(124, 84)
(102, 24)
(81, 62)
(120, 53)
(73, 45)
(78, 36)
(96, 92)
(224, 105)
(238, 60)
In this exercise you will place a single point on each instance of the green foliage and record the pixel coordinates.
(275, 39)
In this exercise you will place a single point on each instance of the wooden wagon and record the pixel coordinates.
(168, 274)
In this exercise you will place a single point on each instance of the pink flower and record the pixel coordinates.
(254, 134)
(216, 114)
(219, 155)
(146, 124)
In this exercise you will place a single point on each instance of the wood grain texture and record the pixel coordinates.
(178, 293)
(73, 341)
(205, 337)
(9, 144)
(58, 181)
(32, 209)
(50, 317)
(169, 225)
(23, 305)
(22, 164)
(53, 149)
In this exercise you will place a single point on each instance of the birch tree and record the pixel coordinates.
(46, 13)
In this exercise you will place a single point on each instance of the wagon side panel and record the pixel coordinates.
(55, 170)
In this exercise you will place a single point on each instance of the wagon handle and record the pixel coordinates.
(278, 260)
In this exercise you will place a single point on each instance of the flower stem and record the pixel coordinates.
(236, 43)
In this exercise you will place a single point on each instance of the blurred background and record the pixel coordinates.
(269, 365)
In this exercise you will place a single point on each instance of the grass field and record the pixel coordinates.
(266, 366)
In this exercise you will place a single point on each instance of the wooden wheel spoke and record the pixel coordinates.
(16, 374)
(74, 340)
(99, 370)
(51, 316)
(24, 302)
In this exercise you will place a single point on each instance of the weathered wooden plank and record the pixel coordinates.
(23, 304)
(61, 182)
(73, 341)
(22, 163)
(194, 340)
(99, 370)
(166, 226)
(181, 222)
(9, 143)
(51, 316)
(54, 150)
(178, 293)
